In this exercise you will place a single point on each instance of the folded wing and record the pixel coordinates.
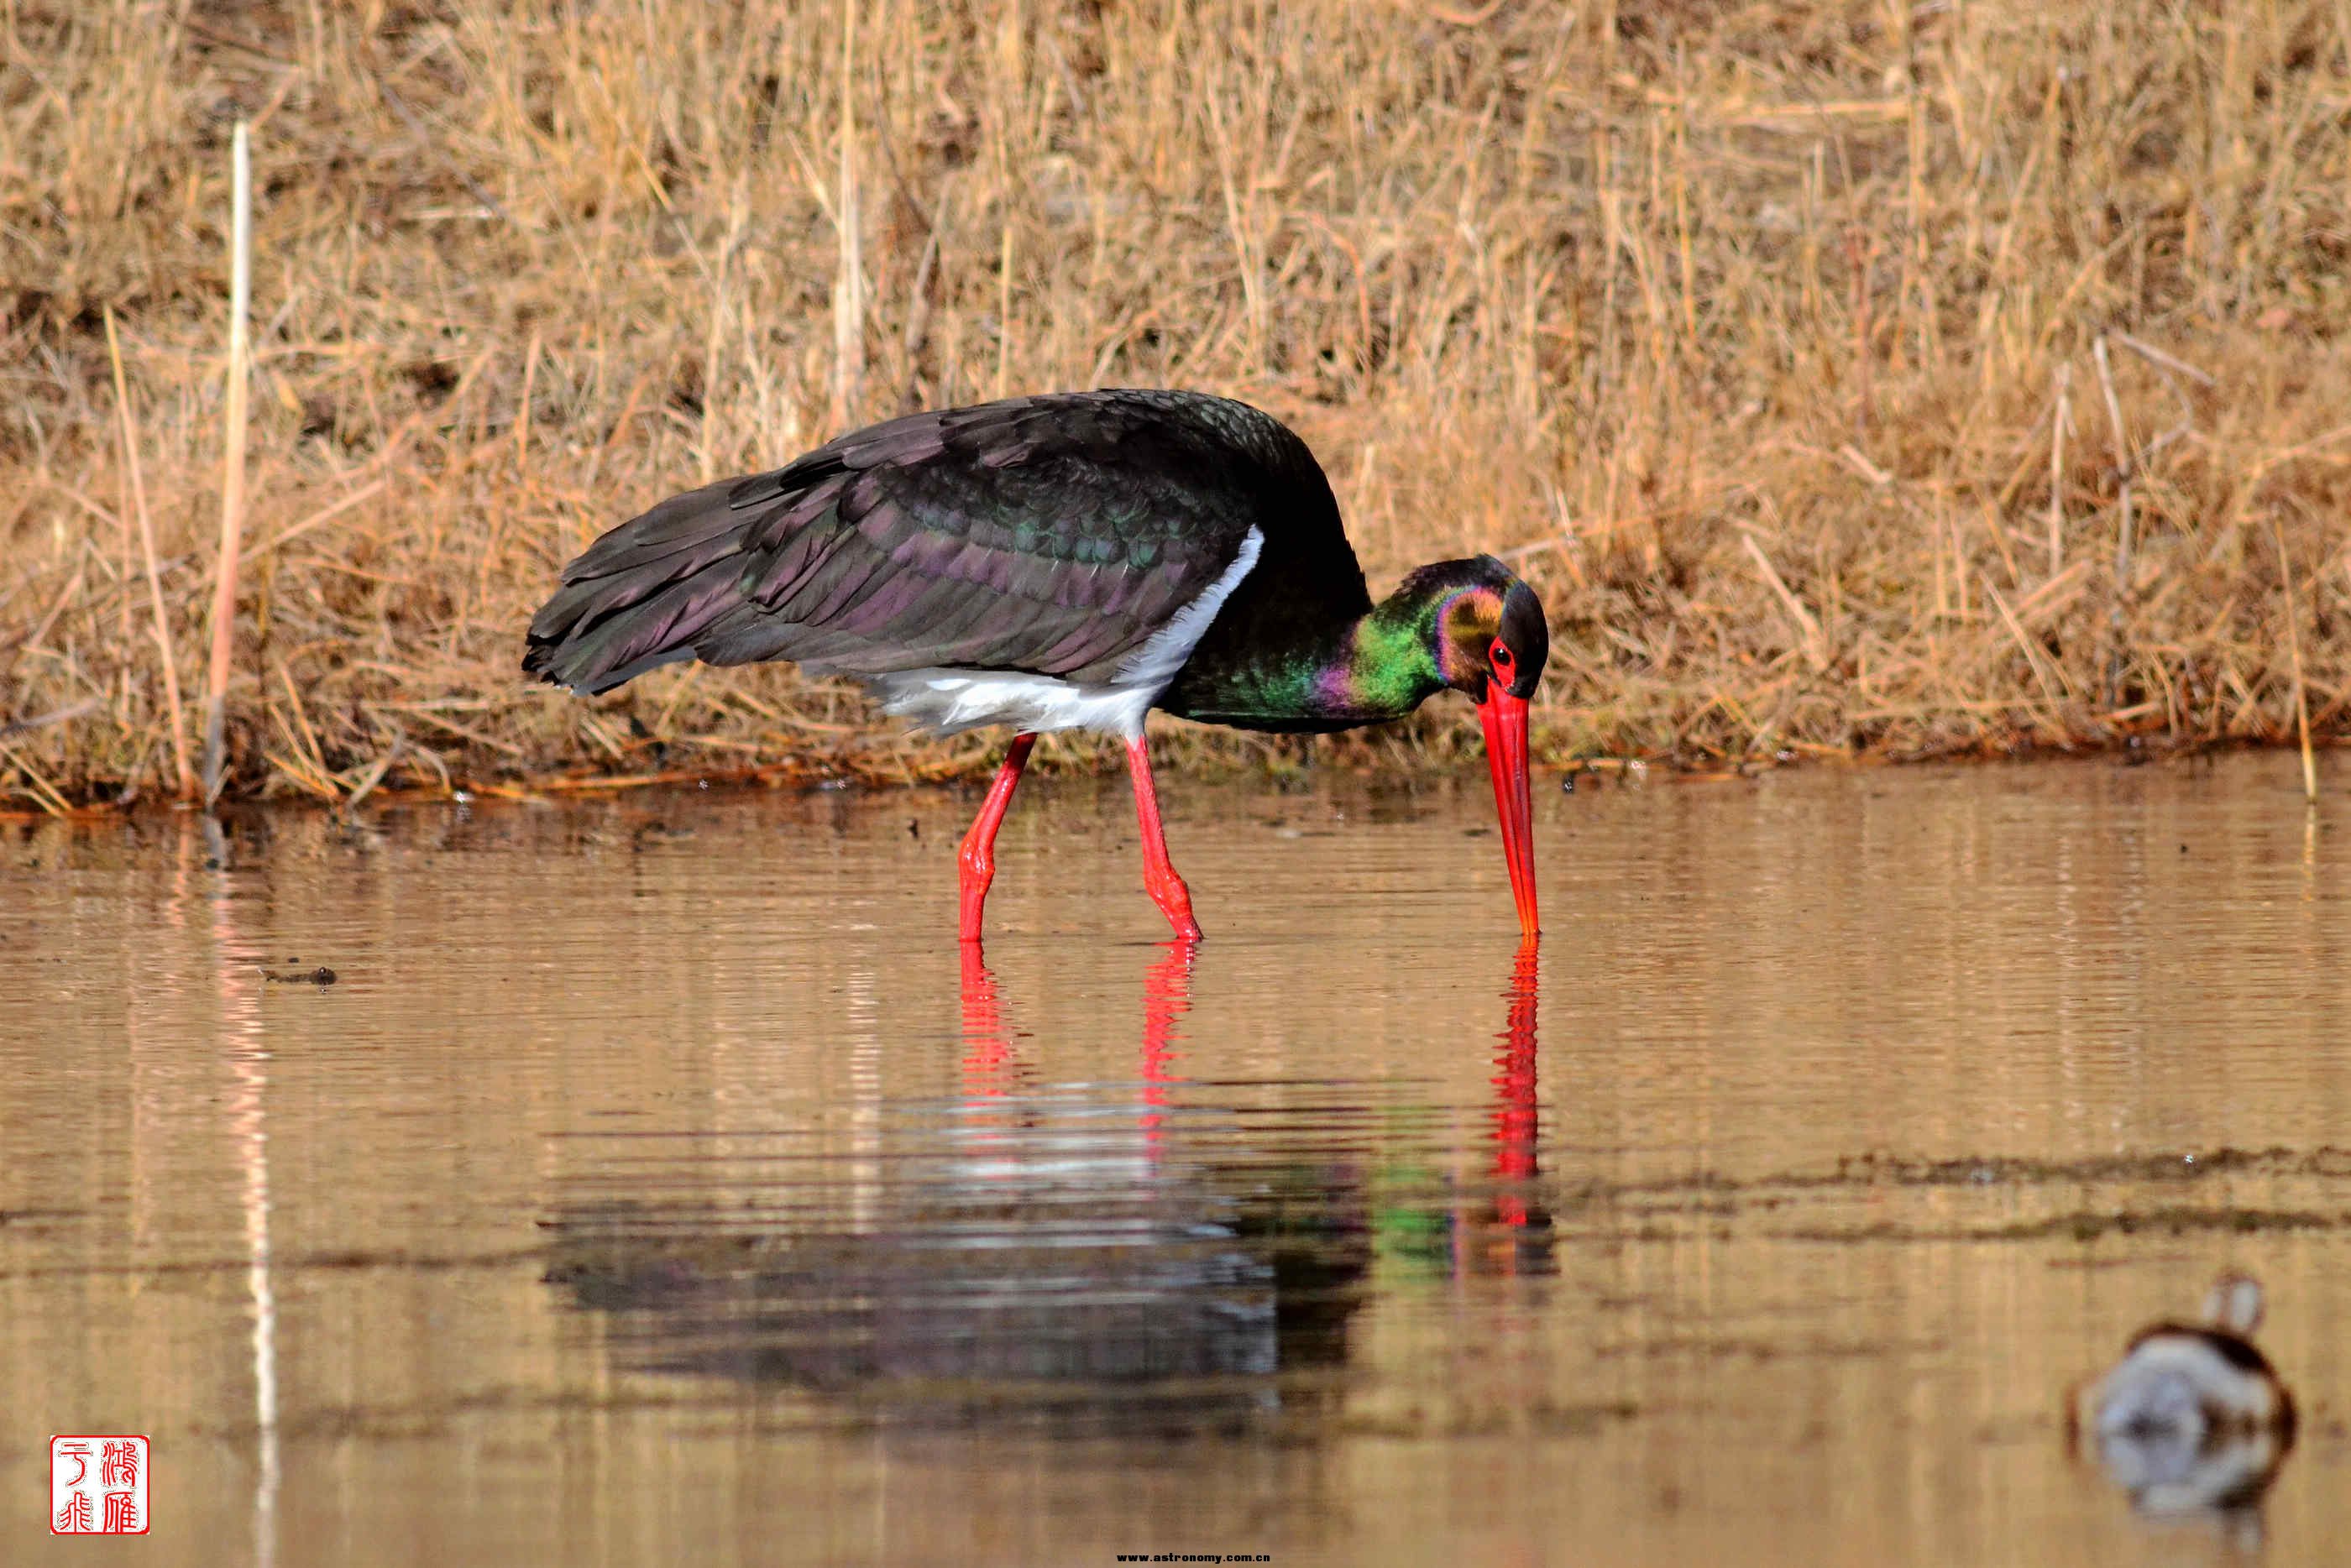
(1049, 534)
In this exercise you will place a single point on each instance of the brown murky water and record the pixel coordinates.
(656, 1184)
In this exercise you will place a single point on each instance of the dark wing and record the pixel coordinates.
(1053, 534)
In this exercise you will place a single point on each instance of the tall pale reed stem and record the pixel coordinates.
(232, 464)
(849, 273)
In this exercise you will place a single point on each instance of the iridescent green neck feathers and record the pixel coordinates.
(1433, 632)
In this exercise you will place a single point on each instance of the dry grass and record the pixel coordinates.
(1920, 377)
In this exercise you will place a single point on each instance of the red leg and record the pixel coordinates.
(977, 856)
(1159, 878)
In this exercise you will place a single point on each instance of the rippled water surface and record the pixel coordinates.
(657, 1182)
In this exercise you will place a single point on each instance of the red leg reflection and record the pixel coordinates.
(986, 1051)
(993, 1075)
(1166, 997)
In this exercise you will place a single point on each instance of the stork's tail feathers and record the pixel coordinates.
(643, 595)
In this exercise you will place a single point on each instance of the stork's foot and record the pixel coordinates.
(1174, 900)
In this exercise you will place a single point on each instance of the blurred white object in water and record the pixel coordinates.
(2193, 1417)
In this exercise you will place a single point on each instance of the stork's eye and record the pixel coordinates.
(1504, 664)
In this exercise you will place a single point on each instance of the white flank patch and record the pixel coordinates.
(951, 699)
(1156, 662)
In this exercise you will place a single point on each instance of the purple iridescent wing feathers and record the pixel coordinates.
(1050, 535)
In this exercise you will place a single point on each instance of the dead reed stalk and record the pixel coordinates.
(2060, 411)
(185, 778)
(848, 276)
(232, 522)
(2293, 649)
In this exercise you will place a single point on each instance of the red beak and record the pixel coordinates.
(1505, 718)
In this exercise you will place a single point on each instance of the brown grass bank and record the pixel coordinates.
(1914, 376)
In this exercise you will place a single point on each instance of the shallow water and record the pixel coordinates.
(655, 1182)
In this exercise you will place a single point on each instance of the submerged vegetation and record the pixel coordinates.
(1848, 374)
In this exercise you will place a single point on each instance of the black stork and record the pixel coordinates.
(1068, 561)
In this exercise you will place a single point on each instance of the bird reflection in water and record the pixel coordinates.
(1069, 1254)
(1500, 1227)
